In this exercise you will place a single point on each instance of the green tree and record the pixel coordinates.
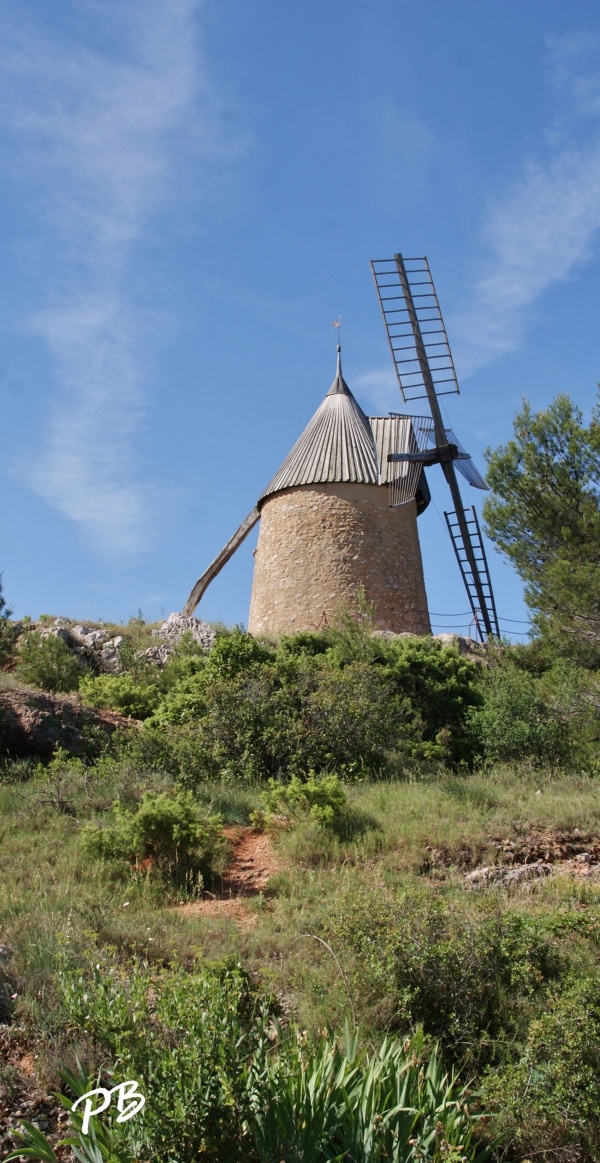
(544, 513)
(8, 630)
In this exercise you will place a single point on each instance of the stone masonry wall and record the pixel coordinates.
(317, 543)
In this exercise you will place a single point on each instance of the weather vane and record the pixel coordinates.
(337, 323)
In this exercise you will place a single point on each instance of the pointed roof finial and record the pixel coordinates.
(339, 385)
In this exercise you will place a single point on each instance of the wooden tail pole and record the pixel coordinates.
(217, 565)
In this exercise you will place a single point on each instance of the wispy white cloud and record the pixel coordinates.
(103, 122)
(378, 390)
(542, 229)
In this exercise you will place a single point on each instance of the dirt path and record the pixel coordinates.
(253, 863)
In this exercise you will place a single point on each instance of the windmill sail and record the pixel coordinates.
(486, 613)
(415, 327)
(425, 369)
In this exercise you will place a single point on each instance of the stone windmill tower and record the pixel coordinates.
(329, 524)
(327, 527)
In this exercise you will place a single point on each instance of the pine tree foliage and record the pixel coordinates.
(544, 513)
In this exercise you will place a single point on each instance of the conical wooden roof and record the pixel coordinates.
(336, 445)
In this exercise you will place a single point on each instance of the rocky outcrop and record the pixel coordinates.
(100, 650)
(109, 655)
(177, 625)
(34, 723)
(506, 877)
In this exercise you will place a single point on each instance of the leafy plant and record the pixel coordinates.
(185, 1036)
(467, 972)
(120, 692)
(320, 798)
(549, 719)
(168, 829)
(551, 1095)
(313, 1102)
(440, 688)
(45, 661)
(222, 1079)
(9, 631)
(96, 1145)
(544, 513)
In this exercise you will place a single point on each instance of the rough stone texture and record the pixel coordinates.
(318, 543)
(85, 636)
(159, 654)
(507, 877)
(177, 625)
(109, 658)
(33, 723)
(55, 632)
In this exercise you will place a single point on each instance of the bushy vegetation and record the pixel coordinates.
(104, 967)
(248, 1089)
(320, 799)
(544, 513)
(120, 692)
(167, 832)
(310, 1020)
(45, 661)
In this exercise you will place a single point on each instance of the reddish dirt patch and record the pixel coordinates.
(253, 863)
(21, 1094)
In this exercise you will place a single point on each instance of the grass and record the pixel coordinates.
(450, 820)
(458, 817)
(374, 925)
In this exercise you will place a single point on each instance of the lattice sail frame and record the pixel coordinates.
(397, 317)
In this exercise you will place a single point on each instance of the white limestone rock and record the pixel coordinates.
(85, 636)
(109, 656)
(177, 625)
(506, 877)
(158, 654)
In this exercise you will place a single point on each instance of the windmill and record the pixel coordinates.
(425, 370)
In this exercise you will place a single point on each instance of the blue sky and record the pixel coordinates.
(192, 191)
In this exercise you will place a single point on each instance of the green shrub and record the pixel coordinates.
(306, 642)
(185, 702)
(286, 716)
(318, 1101)
(222, 1081)
(186, 658)
(236, 652)
(186, 1036)
(169, 828)
(551, 1095)
(321, 799)
(549, 719)
(120, 692)
(441, 688)
(9, 631)
(468, 972)
(45, 661)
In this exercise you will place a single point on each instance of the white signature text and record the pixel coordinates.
(129, 1102)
